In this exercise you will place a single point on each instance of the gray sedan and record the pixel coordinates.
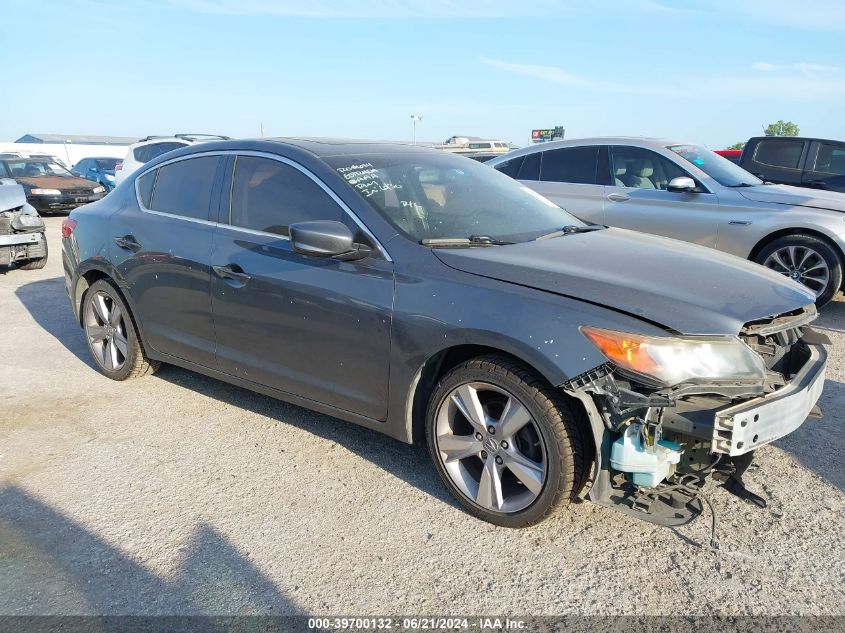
(430, 298)
(690, 193)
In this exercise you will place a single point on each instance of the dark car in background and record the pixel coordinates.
(434, 299)
(50, 187)
(796, 160)
(99, 169)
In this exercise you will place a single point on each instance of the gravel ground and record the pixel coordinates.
(179, 494)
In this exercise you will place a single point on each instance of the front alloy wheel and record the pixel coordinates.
(490, 447)
(505, 443)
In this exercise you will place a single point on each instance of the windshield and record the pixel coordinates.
(717, 167)
(430, 196)
(25, 168)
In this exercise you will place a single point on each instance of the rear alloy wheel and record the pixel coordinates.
(111, 335)
(505, 444)
(807, 260)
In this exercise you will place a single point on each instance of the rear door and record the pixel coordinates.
(638, 200)
(314, 327)
(162, 248)
(574, 178)
(826, 166)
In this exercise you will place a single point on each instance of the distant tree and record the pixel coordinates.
(782, 128)
(738, 145)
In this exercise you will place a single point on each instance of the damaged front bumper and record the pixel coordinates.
(749, 425)
(711, 424)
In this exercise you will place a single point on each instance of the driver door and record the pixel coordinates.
(314, 327)
(638, 199)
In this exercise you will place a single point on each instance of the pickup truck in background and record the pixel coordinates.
(796, 160)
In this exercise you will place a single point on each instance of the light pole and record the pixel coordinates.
(414, 119)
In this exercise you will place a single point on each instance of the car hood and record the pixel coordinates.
(684, 287)
(795, 196)
(56, 182)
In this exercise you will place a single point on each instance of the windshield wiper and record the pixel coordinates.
(472, 240)
(570, 230)
(743, 184)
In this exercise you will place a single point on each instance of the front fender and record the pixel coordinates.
(536, 327)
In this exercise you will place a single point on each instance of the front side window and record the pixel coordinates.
(185, 187)
(269, 196)
(433, 195)
(641, 168)
(830, 159)
(717, 167)
(571, 165)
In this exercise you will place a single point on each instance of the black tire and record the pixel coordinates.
(819, 246)
(35, 264)
(557, 423)
(135, 363)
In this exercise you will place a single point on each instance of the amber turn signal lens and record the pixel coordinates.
(627, 350)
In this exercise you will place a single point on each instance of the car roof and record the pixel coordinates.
(637, 141)
(319, 147)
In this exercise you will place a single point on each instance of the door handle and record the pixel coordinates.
(232, 272)
(128, 242)
(618, 197)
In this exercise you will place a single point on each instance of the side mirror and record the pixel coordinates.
(682, 184)
(326, 238)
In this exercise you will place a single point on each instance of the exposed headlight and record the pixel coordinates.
(27, 222)
(671, 360)
(45, 192)
(99, 189)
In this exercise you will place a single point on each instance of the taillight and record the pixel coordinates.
(67, 227)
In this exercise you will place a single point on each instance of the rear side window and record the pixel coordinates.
(785, 154)
(511, 167)
(571, 164)
(269, 196)
(145, 187)
(185, 187)
(146, 153)
(530, 168)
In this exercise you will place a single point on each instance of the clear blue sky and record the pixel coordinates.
(712, 71)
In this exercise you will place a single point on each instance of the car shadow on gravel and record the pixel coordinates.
(818, 444)
(409, 463)
(46, 301)
(88, 575)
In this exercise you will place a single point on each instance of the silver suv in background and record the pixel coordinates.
(690, 193)
(152, 147)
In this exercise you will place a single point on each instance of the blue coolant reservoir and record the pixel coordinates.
(649, 465)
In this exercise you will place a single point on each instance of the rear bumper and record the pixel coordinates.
(751, 424)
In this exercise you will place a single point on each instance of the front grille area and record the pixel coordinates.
(5, 225)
